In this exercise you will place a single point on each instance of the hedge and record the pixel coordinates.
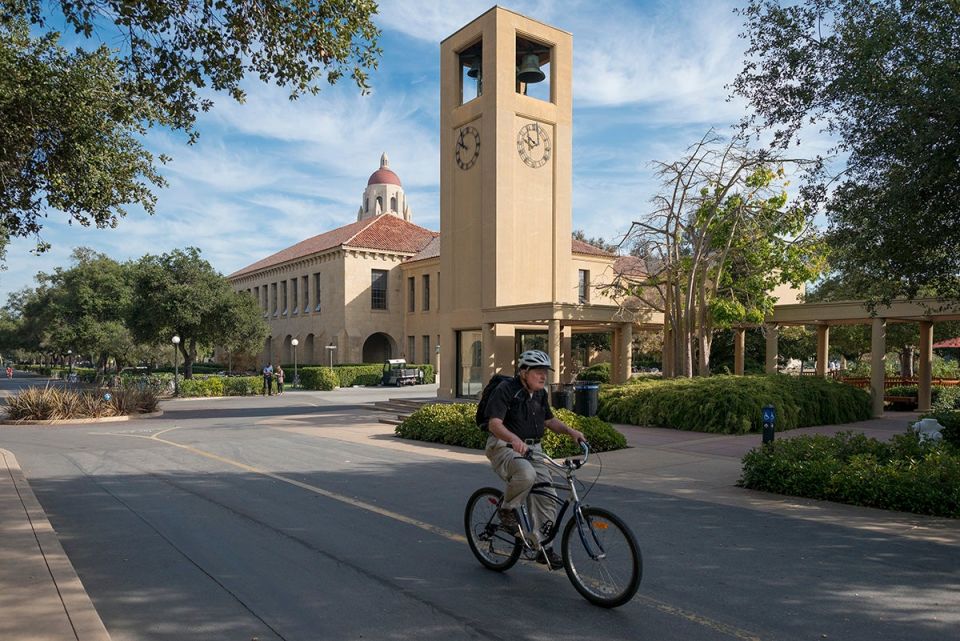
(454, 424)
(221, 386)
(318, 378)
(733, 404)
(906, 474)
(946, 398)
(350, 375)
(599, 373)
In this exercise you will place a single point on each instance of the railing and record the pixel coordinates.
(897, 381)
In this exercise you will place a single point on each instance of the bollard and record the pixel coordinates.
(769, 418)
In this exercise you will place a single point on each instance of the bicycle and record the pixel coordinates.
(603, 562)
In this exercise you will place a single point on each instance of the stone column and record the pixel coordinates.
(625, 348)
(823, 349)
(924, 399)
(878, 350)
(488, 338)
(739, 346)
(771, 351)
(554, 334)
(566, 355)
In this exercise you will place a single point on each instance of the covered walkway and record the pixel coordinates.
(925, 312)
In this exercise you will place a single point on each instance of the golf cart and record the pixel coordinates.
(396, 373)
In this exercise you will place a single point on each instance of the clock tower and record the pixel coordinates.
(505, 190)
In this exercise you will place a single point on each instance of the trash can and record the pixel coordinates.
(586, 399)
(562, 397)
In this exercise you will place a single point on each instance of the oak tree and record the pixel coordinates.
(883, 79)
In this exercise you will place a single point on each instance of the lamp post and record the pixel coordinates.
(70, 365)
(176, 364)
(330, 348)
(296, 380)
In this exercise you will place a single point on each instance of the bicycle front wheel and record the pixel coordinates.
(602, 557)
(493, 546)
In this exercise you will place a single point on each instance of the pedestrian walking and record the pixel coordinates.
(278, 374)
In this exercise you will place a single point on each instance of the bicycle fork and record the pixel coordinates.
(595, 550)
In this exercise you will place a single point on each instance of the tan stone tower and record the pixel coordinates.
(505, 191)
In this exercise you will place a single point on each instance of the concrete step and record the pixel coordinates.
(390, 421)
(399, 405)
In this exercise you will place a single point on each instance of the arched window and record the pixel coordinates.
(366, 205)
(380, 203)
(393, 203)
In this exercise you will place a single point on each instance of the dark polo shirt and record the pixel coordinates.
(522, 413)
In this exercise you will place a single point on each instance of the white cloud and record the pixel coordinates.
(272, 172)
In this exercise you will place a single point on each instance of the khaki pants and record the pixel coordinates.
(520, 475)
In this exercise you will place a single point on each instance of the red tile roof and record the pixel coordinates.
(432, 250)
(950, 342)
(630, 266)
(386, 233)
(580, 247)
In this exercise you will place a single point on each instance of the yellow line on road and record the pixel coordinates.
(312, 488)
(722, 628)
(656, 604)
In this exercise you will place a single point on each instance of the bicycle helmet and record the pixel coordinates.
(534, 358)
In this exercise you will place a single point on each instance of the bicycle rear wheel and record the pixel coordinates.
(602, 558)
(494, 547)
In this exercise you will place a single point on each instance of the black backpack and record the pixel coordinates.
(494, 382)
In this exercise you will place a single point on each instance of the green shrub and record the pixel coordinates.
(197, 386)
(599, 373)
(941, 397)
(242, 385)
(950, 419)
(319, 378)
(448, 423)
(454, 424)
(350, 375)
(733, 404)
(158, 383)
(906, 474)
(601, 436)
(209, 386)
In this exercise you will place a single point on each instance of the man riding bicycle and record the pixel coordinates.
(517, 413)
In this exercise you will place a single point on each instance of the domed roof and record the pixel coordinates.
(384, 175)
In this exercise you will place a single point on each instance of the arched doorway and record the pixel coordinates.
(308, 350)
(377, 348)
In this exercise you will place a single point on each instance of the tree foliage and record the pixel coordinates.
(883, 78)
(128, 312)
(81, 308)
(71, 123)
(720, 239)
(71, 137)
(179, 293)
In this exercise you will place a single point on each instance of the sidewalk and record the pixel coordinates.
(37, 581)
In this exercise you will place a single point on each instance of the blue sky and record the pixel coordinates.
(649, 80)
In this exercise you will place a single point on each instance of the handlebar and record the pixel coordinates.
(568, 464)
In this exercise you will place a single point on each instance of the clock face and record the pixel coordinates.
(468, 147)
(533, 144)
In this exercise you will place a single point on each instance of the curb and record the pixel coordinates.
(86, 421)
(76, 603)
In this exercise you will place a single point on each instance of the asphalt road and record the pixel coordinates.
(251, 518)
